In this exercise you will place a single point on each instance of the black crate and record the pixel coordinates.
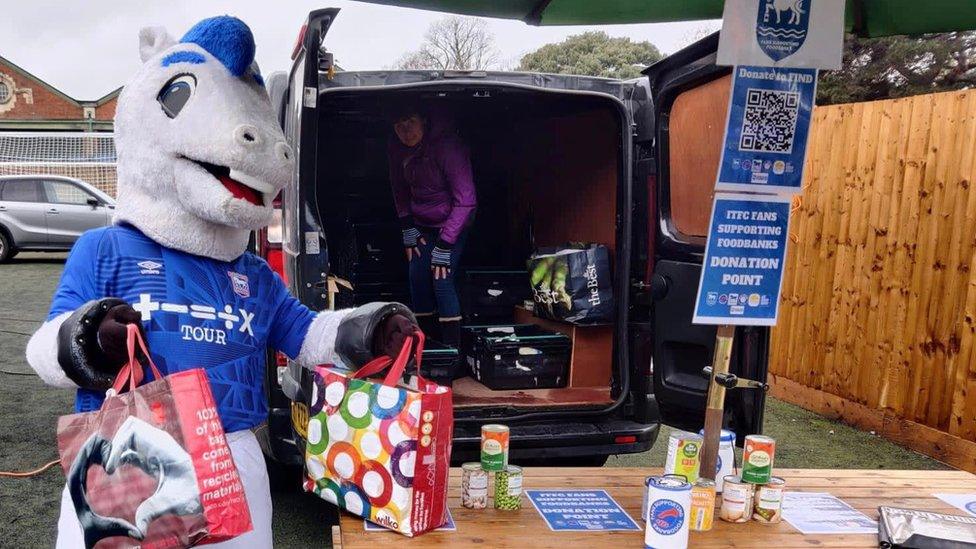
(517, 357)
(440, 363)
(490, 296)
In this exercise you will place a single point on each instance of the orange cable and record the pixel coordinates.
(25, 474)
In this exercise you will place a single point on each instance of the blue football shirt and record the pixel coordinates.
(197, 312)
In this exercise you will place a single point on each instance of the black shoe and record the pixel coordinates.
(451, 333)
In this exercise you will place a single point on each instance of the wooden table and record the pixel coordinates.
(863, 489)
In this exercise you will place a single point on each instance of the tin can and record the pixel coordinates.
(474, 486)
(508, 489)
(666, 520)
(725, 465)
(684, 455)
(702, 505)
(736, 500)
(757, 459)
(769, 501)
(494, 447)
(648, 480)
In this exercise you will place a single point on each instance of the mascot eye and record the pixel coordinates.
(174, 95)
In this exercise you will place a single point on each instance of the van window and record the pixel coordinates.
(695, 131)
(21, 190)
(61, 192)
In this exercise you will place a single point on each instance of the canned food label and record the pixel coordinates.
(666, 517)
(494, 451)
(759, 459)
(478, 482)
(683, 458)
(515, 485)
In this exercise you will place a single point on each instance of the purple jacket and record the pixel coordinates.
(432, 182)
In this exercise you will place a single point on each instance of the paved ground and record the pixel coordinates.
(28, 411)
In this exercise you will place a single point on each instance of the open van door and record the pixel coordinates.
(689, 94)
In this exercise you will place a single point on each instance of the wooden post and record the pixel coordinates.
(715, 407)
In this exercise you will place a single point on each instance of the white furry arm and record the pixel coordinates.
(319, 345)
(42, 353)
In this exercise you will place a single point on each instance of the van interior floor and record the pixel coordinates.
(468, 393)
(546, 168)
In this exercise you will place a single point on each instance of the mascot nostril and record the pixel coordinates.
(200, 158)
(247, 135)
(283, 151)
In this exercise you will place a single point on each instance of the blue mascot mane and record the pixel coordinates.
(226, 38)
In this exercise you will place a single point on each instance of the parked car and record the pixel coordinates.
(556, 158)
(47, 213)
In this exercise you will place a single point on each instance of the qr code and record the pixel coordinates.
(769, 123)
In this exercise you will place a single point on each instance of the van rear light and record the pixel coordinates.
(625, 439)
(299, 42)
(281, 366)
(276, 260)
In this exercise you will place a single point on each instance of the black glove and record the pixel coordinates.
(440, 256)
(372, 330)
(112, 332)
(391, 333)
(92, 342)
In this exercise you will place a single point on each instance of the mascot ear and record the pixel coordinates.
(153, 40)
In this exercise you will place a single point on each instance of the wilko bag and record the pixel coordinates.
(573, 283)
(151, 468)
(380, 449)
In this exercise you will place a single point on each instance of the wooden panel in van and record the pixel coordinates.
(696, 127)
(566, 179)
(592, 355)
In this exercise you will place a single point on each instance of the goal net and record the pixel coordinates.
(87, 156)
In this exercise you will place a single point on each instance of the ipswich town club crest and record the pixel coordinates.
(781, 26)
(239, 282)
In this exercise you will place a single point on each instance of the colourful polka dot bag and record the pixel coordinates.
(378, 448)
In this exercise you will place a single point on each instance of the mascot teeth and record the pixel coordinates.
(252, 182)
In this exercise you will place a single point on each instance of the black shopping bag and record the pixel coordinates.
(573, 283)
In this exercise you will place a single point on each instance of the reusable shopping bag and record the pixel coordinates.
(573, 284)
(381, 449)
(152, 468)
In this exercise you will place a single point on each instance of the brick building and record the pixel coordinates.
(28, 103)
(45, 131)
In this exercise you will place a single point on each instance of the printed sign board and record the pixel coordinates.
(744, 260)
(782, 33)
(767, 129)
(580, 510)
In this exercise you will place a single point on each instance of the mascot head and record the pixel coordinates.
(200, 153)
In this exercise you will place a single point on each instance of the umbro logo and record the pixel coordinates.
(149, 267)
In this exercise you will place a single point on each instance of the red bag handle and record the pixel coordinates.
(132, 370)
(378, 364)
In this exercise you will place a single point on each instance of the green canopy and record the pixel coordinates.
(865, 17)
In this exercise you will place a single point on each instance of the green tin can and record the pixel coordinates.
(494, 447)
(508, 489)
(757, 459)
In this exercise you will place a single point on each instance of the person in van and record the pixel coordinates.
(434, 194)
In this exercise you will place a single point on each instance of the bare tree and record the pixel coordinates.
(454, 43)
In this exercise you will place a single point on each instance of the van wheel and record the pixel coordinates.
(7, 250)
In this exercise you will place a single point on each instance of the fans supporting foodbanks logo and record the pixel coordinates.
(666, 517)
(781, 27)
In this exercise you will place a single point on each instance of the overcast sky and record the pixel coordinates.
(88, 48)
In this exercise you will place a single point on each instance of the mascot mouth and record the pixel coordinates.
(240, 185)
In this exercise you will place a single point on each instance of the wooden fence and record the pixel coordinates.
(878, 315)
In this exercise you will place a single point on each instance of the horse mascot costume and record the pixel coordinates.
(200, 159)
